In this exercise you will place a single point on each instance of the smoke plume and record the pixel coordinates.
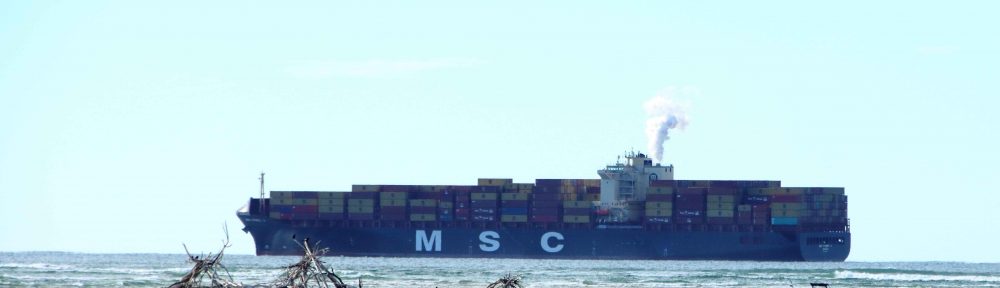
(665, 113)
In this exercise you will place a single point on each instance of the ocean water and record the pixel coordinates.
(59, 269)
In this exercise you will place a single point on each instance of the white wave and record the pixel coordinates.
(913, 277)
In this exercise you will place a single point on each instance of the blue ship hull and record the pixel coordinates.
(280, 237)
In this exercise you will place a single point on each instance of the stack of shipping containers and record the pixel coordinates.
(689, 205)
(659, 202)
(331, 205)
(721, 205)
(572, 201)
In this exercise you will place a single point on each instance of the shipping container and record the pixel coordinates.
(577, 204)
(361, 216)
(658, 212)
(365, 188)
(576, 219)
(544, 218)
(577, 211)
(657, 219)
(514, 196)
(484, 196)
(784, 221)
(495, 181)
(423, 203)
(423, 217)
(514, 218)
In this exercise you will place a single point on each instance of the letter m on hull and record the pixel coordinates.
(424, 243)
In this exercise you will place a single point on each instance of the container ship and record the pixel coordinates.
(635, 210)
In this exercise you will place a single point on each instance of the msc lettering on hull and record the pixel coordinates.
(489, 241)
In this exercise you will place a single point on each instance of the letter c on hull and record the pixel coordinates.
(545, 242)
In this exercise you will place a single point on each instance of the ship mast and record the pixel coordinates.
(261, 208)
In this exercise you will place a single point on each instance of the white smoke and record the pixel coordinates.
(666, 112)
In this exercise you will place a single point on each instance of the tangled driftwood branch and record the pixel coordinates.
(207, 266)
(310, 271)
(509, 281)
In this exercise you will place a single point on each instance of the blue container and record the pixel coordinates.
(784, 221)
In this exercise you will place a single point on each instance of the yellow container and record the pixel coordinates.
(280, 194)
(659, 205)
(721, 198)
(294, 201)
(576, 219)
(786, 206)
(331, 209)
(514, 218)
(366, 188)
(360, 209)
(720, 206)
(514, 196)
(330, 201)
(591, 182)
(423, 217)
(577, 204)
(658, 212)
(392, 203)
(361, 202)
(484, 196)
(785, 213)
(495, 181)
(660, 190)
(423, 203)
(392, 196)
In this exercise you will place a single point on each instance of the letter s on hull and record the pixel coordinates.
(489, 239)
(545, 242)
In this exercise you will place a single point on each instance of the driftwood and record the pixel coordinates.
(310, 271)
(509, 281)
(207, 266)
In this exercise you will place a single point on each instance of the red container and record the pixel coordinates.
(692, 191)
(548, 182)
(362, 195)
(723, 191)
(720, 220)
(576, 211)
(423, 210)
(332, 216)
(400, 210)
(689, 206)
(514, 203)
(545, 197)
(425, 195)
(484, 203)
(397, 188)
(305, 209)
(761, 208)
(305, 195)
(660, 197)
(545, 204)
(544, 218)
(593, 190)
(786, 198)
(361, 216)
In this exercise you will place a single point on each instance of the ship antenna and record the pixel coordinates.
(261, 192)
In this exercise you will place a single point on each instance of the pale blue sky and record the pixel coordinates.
(134, 126)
